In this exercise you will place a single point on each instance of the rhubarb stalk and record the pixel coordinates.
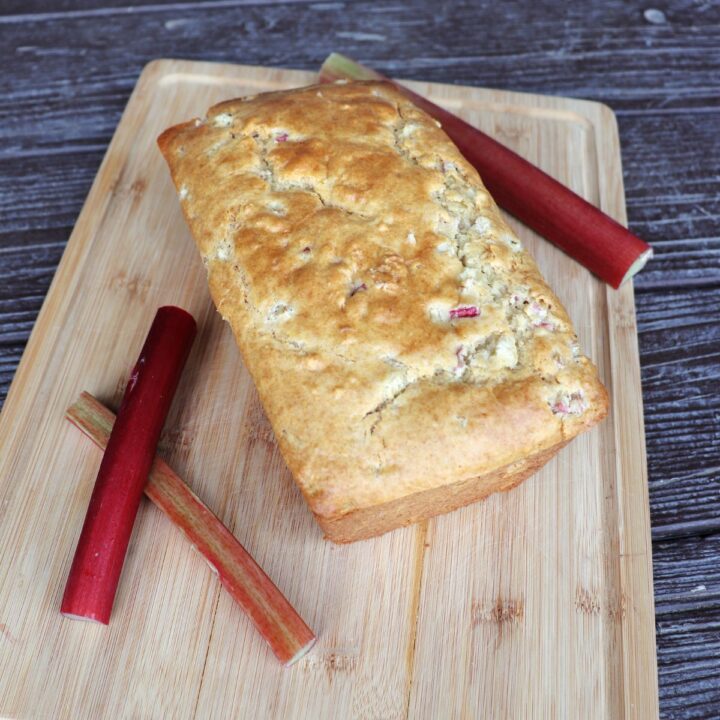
(98, 561)
(554, 211)
(276, 620)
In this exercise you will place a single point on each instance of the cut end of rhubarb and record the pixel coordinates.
(73, 616)
(339, 67)
(637, 266)
(301, 653)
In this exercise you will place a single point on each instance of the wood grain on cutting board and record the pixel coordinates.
(535, 603)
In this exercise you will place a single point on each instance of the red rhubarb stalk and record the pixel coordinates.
(554, 211)
(276, 620)
(98, 561)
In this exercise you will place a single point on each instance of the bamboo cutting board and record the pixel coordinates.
(536, 603)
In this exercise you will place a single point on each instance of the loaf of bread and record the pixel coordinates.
(407, 351)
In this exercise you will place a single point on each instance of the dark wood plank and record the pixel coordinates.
(41, 9)
(680, 354)
(578, 50)
(27, 264)
(687, 608)
(672, 199)
(38, 192)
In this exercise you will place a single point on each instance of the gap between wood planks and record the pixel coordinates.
(688, 529)
(420, 547)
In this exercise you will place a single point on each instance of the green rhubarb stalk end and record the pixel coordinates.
(637, 266)
(340, 67)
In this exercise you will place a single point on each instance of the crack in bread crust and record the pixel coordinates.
(278, 187)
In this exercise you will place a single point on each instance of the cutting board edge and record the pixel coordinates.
(591, 110)
(639, 640)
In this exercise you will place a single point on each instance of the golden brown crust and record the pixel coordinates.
(399, 336)
(375, 520)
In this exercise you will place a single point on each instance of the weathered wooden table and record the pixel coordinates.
(69, 66)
